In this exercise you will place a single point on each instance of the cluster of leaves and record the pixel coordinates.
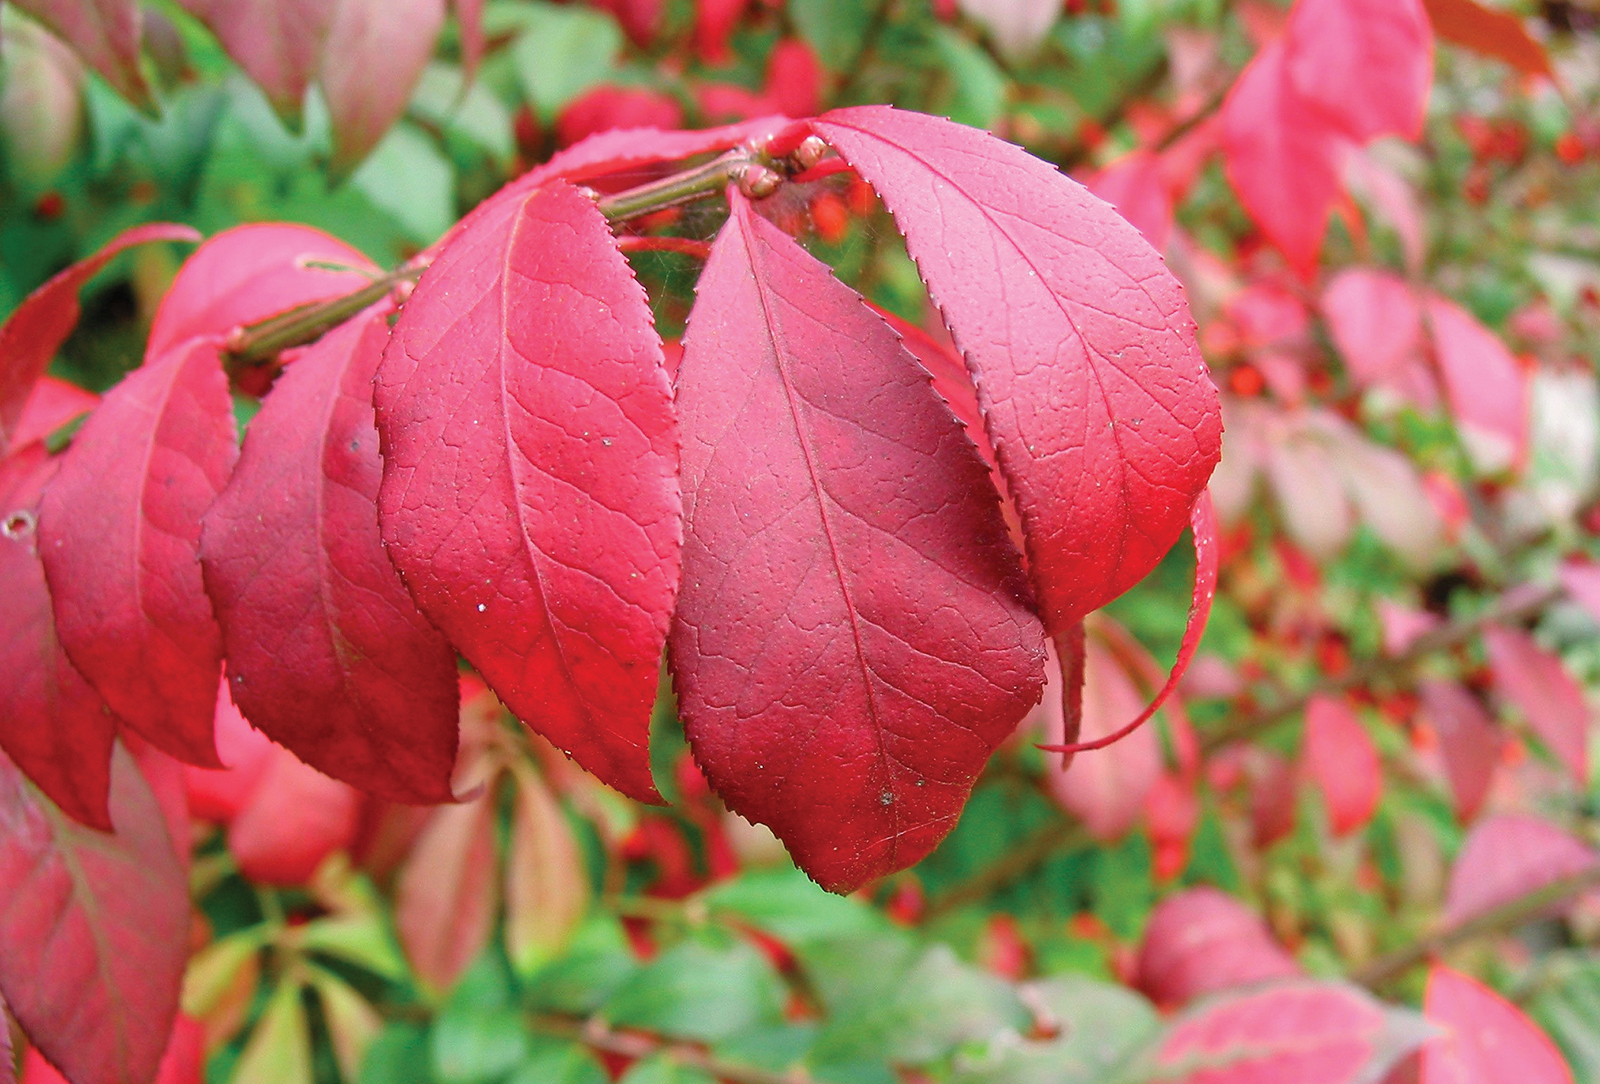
(871, 540)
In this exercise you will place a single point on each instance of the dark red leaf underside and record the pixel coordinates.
(1491, 33)
(119, 532)
(1079, 340)
(93, 929)
(252, 272)
(853, 639)
(54, 727)
(312, 611)
(39, 326)
(530, 493)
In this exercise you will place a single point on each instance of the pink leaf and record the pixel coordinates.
(220, 795)
(1582, 582)
(1300, 1031)
(1078, 338)
(251, 272)
(1017, 26)
(310, 607)
(1366, 64)
(608, 107)
(469, 15)
(1509, 856)
(1202, 941)
(1375, 319)
(1282, 158)
(365, 36)
(38, 327)
(105, 33)
(714, 21)
(1304, 473)
(1534, 680)
(55, 728)
(8, 1062)
(530, 491)
(295, 818)
(1340, 757)
(119, 531)
(874, 587)
(278, 43)
(447, 894)
(1486, 1040)
(1486, 388)
(1469, 743)
(1107, 790)
(1134, 185)
(93, 929)
(547, 880)
(53, 404)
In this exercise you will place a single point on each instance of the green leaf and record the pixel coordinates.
(468, 113)
(662, 1070)
(363, 940)
(1101, 1027)
(595, 964)
(472, 1044)
(835, 29)
(562, 52)
(407, 177)
(700, 992)
(1568, 1008)
(352, 1023)
(279, 1050)
(399, 1055)
(979, 86)
(555, 1061)
(789, 905)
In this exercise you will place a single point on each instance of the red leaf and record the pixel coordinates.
(1078, 338)
(1366, 64)
(93, 929)
(1469, 742)
(249, 273)
(55, 728)
(278, 43)
(1305, 1032)
(530, 492)
(845, 561)
(310, 607)
(1375, 319)
(365, 36)
(53, 404)
(183, 1062)
(640, 18)
(714, 21)
(628, 148)
(106, 33)
(1201, 941)
(1497, 34)
(469, 16)
(447, 893)
(1551, 702)
(1134, 185)
(219, 795)
(119, 531)
(295, 818)
(38, 327)
(1282, 158)
(794, 78)
(1340, 756)
(1486, 388)
(1107, 789)
(8, 1062)
(1509, 856)
(607, 107)
(1486, 1040)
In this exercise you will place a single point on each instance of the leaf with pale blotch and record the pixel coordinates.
(105, 33)
(1484, 1038)
(547, 880)
(448, 892)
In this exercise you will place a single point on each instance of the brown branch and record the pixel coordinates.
(1507, 916)
(1516, 605)
(598, 1035)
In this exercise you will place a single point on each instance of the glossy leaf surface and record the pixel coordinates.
(530, 492)
(119, 531)
(846, 565)
(1078, 338)
(311, 608)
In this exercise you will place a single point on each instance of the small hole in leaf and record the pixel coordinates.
(18, 525)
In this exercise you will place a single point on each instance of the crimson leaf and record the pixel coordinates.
(119, 532)
(55, 726)
(93, 929)
(1078, 338)
(310, 607)
(39, 326)
(853, 638)
(530, 493)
